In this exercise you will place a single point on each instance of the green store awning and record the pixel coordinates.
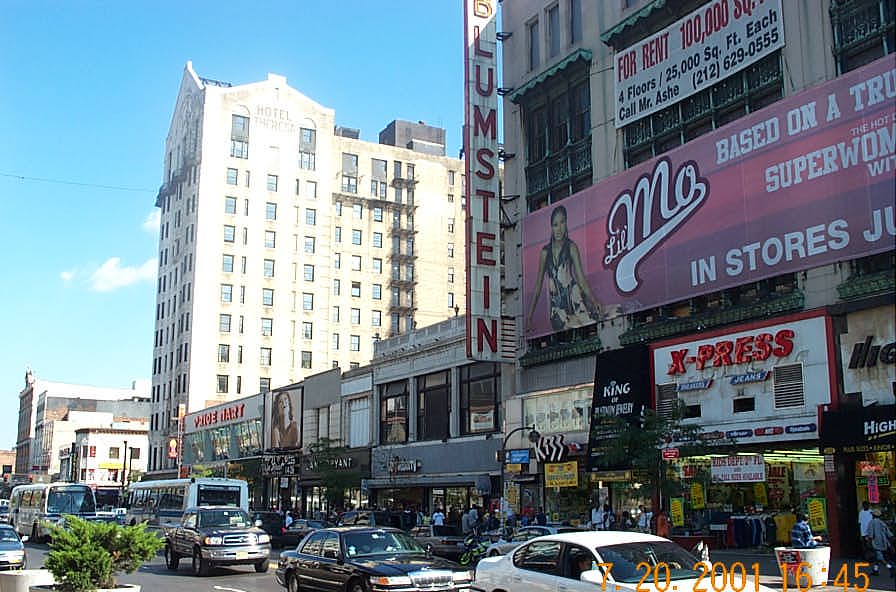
(633, 20)
(579, 54)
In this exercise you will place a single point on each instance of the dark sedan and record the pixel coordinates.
(299, 529)
(12, 551)
(358, 559)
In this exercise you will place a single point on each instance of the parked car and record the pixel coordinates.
(299, 528)
(12, 548)
(526, 533)
(370, 518)
(217, 535)
(4, 513)
(580, 562)
(353, 558)
(272, 523)
(445, 541)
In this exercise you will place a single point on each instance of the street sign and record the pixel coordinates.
(518, 456)
(670, 453)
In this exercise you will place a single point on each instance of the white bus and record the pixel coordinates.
(33, 507)
(162, 503)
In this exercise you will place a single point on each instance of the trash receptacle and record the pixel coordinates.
(22, 580)
(815, 564)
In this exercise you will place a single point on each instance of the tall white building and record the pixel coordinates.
(288, 246)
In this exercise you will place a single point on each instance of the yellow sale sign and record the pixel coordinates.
(698, 501)
(564, 474)
(676, 511)
(818, 514)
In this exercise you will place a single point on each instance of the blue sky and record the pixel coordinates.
(87, 90)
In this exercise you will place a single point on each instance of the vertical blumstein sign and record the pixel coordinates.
(483, 246)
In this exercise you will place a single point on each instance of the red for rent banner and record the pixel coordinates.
(807, 181)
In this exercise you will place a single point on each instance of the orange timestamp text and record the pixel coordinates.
(738, 577)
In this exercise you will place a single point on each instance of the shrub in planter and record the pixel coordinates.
(86, 555)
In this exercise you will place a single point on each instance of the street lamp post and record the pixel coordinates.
(533, 438)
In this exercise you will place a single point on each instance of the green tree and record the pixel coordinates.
(328, 458)
(638, 445)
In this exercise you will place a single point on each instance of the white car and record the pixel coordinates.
(580, 562)
(523, 534)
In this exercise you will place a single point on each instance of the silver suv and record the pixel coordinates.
(217, 535)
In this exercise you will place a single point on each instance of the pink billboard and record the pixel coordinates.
(807, 181)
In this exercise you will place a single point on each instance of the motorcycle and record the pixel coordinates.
(474, 549)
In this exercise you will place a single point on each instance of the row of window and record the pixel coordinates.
(222, 382)
(555, 35)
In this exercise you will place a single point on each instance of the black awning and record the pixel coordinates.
(858, 430)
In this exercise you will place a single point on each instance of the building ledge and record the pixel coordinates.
(859, 286)
(561, 351)
(580, 54)
(767, 307)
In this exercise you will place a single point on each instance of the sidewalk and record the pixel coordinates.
(770, 573)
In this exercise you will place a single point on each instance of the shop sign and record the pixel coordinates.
(730, 434)
(280, 465)
(700, 49)
(564, 474)
(866, 355)
(769, 431)
(676, 511)
(873, 489)
(220, 415)
(693, 385)
(803, 428)
(760, 376)
(698, 501)
(110, 465)
(866, 429)
(670, 453)
(728, 352)
(738, 469)
(404, 465)
(550, 448)
(614, 476)
(513, 468)
(518, 456)
(818, 514)
(313, 463)
(760, 494)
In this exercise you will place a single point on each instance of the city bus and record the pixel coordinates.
(35, 506)
(161, 503)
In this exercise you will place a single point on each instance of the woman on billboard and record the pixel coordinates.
(284, 429)
(571, 300)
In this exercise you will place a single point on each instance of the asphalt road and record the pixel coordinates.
(154, 576)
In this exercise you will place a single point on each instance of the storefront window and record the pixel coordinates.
(480, 397)
(559, 412)
(875, 475)
(394, 413)
(433, 405)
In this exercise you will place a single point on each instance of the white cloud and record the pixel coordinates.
(67, 276)
(111, 275)
(153, 219)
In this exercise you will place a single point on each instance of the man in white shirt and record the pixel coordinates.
(644, 519)
(865, 517)
(438, 518)
(597, 517)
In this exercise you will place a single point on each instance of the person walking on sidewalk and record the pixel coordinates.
(864, 520)
(880, 538)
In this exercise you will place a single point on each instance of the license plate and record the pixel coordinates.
(242, 555)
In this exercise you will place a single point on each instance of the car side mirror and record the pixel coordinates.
(429, 549)
(24, 538)
(259, 523)
(592, 576)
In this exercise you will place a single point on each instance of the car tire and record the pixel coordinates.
(262, 566)
(356, 586)
(292, 582)
(200, 565)
(172, 559)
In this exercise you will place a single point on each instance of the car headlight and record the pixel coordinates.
(390, 580)
(462, 576)
(213, 540)
(264, 538)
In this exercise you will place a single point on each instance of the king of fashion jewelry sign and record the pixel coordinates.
(713, 42)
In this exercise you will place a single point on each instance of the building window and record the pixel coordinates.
(337, 207)
(224, 323)
(270, 211)
(863, 32)
(230, 205)
(480, 397)
(450, 275)
(270, 239)
(337, 287)
(268, 268)
(334, 315)
(534, 56)
(338, 234)
(359, 422)
(356, 289)
(450, 299)
(357, 211)
(450, 250)
(394, 413)
(239, 136)
(337, 260)
(232, 176)
(310, 216)
(309, 244)
(553, 30)
(334, 341)
(376, 318)
(307, 301)
(737, 95)
(222, 383)
(356, 263)
(306, 160)
(307, 330)
(226, 293)
(354, 342)
(377, 265)
(356, 236)
(377, 291)
(267, 327)
(378, 240)
(265, 357)
(223, 353)
(272, 182)
(227, 264)
(229, 233)
(349, 184)
(308, 272)
(267, 297)
(311, 189)
(306, 359)
(356, 316)
(377, 214)
(433, 405)
(264, 385)
(575, 21)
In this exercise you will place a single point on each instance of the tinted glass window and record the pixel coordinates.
(540, 556)
(314, 544)
(330, 545)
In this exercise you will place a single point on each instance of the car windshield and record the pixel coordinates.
(362, 544)
(70, 500)
(223, 519)
(629, 560)
(7, 535)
